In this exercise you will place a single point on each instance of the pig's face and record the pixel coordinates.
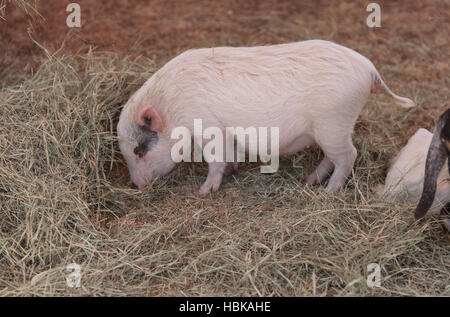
(143, 145)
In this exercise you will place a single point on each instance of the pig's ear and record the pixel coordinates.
(148, 117)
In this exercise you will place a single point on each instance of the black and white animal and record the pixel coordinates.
(438, 153)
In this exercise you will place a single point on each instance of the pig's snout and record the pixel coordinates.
(134, 186)
(138, 185)
(139, 182)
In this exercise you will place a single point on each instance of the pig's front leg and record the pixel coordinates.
(214, 179)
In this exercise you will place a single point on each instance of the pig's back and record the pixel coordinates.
(262, 84)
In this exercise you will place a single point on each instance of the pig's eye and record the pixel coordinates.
(145, 140)
(140, 150)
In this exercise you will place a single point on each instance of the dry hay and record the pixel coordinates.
(65, 197)
(29, 7)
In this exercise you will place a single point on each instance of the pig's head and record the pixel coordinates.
(144, 144)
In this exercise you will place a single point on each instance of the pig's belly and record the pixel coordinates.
(297, 144)
(286, 147)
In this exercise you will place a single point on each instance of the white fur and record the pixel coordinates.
(404, 180)
(312, 90)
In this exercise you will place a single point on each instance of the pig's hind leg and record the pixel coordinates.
(343, 164)
(325, 167)
(321, 172)
(340, 152)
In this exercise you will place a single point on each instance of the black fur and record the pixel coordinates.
(438, 152)
(146, 140)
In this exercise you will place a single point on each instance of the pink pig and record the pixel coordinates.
(313, 91)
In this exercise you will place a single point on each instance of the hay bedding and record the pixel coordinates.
(65, 198)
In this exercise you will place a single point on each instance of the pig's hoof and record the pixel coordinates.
(198, 192)
(206, 190)
(311, 180)
(202, 192)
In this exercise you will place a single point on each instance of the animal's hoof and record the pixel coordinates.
(200, 192)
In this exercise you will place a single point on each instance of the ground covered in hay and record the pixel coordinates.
(64, 189)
